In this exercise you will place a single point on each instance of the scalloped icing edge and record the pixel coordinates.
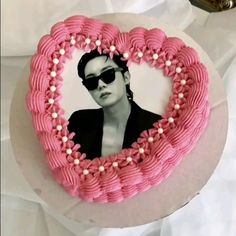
(157, 152)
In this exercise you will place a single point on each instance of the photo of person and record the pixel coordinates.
(119, 121)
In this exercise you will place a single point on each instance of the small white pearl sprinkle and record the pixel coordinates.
(180, 95)
(115, 164)
(54, 115)
(59, 127)
(140, 54)
(141, 150)
(62, 51)
(112, 48)
(129, 159)
(51, 100)
(168, 63)
(76, 161)
(170, 119)
(155, 56)
(53, 88)
(87, 40)
(85, 172)
(177, 106)
(55, 61)
(178, 70)
(101, 168)
(160, 131)
(98, 42)
(64, 139)
(53, 73)
(68, 151)
(150, 139)
(183, 82)
(72, 41)
(125, 54)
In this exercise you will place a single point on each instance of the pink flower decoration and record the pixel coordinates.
(150, 56)
(99, 162)
(108, 49)
(76, 156)
(179, 86)
(136, 54)
(86, 43)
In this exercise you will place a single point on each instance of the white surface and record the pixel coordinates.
(211, 213)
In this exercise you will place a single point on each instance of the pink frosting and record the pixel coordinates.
(122, 42)
(35, 101)
(109, 32)
(50, 142)
(39, 80)
(39, 63)
(56, 159)
(46, 45)
(137, 37)
(172, 45)
(151, 161)
(198, 72)
(154, 38)
(59, 32)
(75, 23)
(130, 175)
(42, 122)
(92, 28)
(110, 181)
(187, 56)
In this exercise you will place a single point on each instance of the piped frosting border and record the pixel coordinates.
(157, 151)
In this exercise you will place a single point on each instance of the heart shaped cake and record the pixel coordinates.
(114, 152)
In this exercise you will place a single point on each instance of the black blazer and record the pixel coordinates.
(88, 128)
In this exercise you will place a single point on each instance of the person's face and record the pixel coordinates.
(106, 94)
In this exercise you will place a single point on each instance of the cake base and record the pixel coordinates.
(177, 190)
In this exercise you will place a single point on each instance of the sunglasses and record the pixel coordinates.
(107, 76)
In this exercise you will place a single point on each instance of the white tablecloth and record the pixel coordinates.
(211, 213)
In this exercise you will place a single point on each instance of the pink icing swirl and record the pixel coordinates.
(75, 24)
(198, 72)
(172, 45)
(129, 191)
(144, 186)
(110, 181)
(47, 45)
(35, 101)
(92, 28)
(42, 122)
(39, 80)
(154, 38)
(130, 175)
(50, 142)
(56, 159)
(187, 56)
(197, 95)
(39, 63)
(150, 166)
(67, 176)
(190, 117)
(162, 150)
(59, 32)
(122, 42)
(116, 196)
(90, 187)
(109, 32)
(137, 37)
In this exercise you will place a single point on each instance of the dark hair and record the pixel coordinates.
(116, 58)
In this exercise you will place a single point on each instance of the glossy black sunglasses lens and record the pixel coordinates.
(107, 77)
